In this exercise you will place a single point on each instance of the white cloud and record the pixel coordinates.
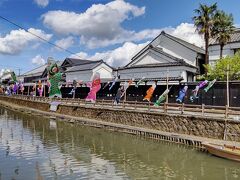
(98, 26)
(14, 42)
(185, 31)
(81, 55)
(122, 55)
(126, 36)
(38, 60)
(188, 33)
(65, 42)
(237, 25)
(42, 3)
(101, 25)
(117, 57)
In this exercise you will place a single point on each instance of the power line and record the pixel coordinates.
(12, 68)
(2, 65)
(49, 42)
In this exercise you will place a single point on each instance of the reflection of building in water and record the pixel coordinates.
(52, 124)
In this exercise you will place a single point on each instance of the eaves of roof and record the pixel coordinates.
(159, 50)
(185, 44)
(93, 63)
(178, 61)
(75, 61)
(183, 63)
(29, 72)
(97, 63)
(179, 78)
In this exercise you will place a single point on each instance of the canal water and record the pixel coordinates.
(34, 147)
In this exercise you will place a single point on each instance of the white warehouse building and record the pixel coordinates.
(228, 50)
(165, 56)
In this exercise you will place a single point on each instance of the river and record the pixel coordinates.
(35, 147)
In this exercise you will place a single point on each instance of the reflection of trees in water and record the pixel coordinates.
(136, 156)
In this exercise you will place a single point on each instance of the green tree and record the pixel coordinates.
(204, 23)
(229, 63)
(222, 28)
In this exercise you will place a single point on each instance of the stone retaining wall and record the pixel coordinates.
(181, 124)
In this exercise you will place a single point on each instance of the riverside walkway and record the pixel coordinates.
(223, 112)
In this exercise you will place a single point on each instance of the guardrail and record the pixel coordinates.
(171, 108)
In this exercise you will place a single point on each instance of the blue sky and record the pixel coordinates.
(93, 29)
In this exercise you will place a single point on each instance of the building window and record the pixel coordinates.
(236, 50)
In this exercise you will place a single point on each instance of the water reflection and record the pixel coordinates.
(36, 148)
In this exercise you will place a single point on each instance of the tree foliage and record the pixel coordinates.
(204, 23)
(222, 28)
(219, 70)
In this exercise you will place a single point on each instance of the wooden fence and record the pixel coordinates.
(170, 108)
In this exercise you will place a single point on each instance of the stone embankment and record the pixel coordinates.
(188, 129)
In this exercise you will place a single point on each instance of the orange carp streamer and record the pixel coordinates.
(149, 93)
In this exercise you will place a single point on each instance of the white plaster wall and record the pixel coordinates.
(6, 76)
(20, 78)
(152, 57)
(79, 75)
(148, 72)
(228, 50)
(105, 71)
(184, 75)
(177, 49)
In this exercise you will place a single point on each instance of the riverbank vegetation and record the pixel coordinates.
(230, 64)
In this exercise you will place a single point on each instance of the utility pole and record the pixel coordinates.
(19, 71)
(228, 85)
(167, 86)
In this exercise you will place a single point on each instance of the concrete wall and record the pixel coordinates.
(182, 124)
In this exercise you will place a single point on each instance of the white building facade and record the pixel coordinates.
(228, 50)
(165, 57)
(83, 72)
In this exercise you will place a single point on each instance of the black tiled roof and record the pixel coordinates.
(185, 43)
(68, 62)
(178, 40)
(234, 37)
(179, 78)
(86, 66)
(179, 63)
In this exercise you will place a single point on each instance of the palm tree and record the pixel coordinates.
(204, 23)
(222, 29)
